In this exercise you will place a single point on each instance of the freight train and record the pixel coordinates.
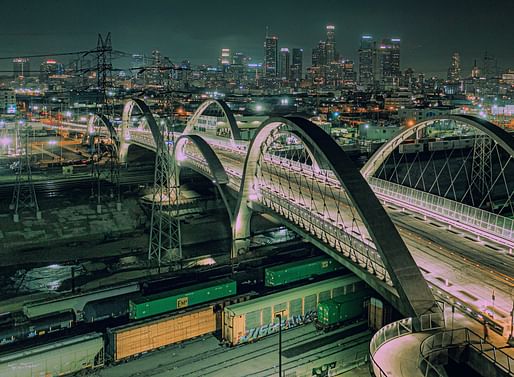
(169, 317)
(341, 310)
(128, 300)
(295, 271)
(297, 305)
(249, 321)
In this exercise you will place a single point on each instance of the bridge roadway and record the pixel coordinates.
(459, 268)
(451, 261)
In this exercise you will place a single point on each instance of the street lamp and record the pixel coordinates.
(279, 316)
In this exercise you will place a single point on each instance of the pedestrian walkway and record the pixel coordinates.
(396, 349)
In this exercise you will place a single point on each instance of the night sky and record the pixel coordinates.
(430, 30)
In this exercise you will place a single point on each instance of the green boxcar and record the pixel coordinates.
(181, 298)
(290, 272)
(341, 309)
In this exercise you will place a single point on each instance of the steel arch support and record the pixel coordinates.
(234, 129)
(218, 175)
(414, 294)
(500, 136)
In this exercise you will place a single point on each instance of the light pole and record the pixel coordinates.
(511, 338)
(279, 316)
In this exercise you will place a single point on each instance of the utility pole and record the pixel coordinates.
(279, 316)
(510, 341)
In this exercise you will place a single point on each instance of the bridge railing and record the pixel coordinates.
(386, 334)
(394, 330)
(449, 211)
(325, 229)
(434, 346)
(461, 215)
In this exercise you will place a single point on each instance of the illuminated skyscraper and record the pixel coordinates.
(285, 64)
(21, 68)
(50, 68)
(297, 64)
(319, 55)
(330, 45)
(389, 62)
(271, 56)
(454, 70)
(226, 57)
(367, 61)
(475, 71)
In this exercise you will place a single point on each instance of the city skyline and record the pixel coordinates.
(34, 28)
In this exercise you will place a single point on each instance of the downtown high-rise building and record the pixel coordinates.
(454, 71)
(326, 66)
(330, 45)
(225, 57)
(367, 62)
(156, 58)
(319, 54)
(297, 64)
(50, 68)
(475, 71)
(388, 54)
(284, 64)
(325, 52)
(20, 68)
(270, 56)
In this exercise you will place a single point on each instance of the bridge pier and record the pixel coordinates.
(240, 247)
(123, 152)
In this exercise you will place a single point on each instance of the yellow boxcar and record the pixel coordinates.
(129, 340)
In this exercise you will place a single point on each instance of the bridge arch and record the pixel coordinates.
(125, 141)
(222, 105)
(499, 135)
(102, 121)
(215, 170)
(415, 297)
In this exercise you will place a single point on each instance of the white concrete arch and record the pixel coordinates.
(234, 129)
(125, 140)
(415, 297)
(500, 136)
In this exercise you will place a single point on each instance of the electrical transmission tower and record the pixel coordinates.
(165, 237)
(481, 168)
(24, 195)
(105, 106)
(104, 72)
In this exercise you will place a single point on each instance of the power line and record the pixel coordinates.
(45, 55)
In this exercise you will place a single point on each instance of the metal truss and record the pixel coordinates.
(165, 237)
(24, 195)
(100, 128)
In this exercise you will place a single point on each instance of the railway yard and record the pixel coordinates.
(216, 321)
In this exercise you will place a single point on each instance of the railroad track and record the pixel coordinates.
(178, 363)
(333, 350)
